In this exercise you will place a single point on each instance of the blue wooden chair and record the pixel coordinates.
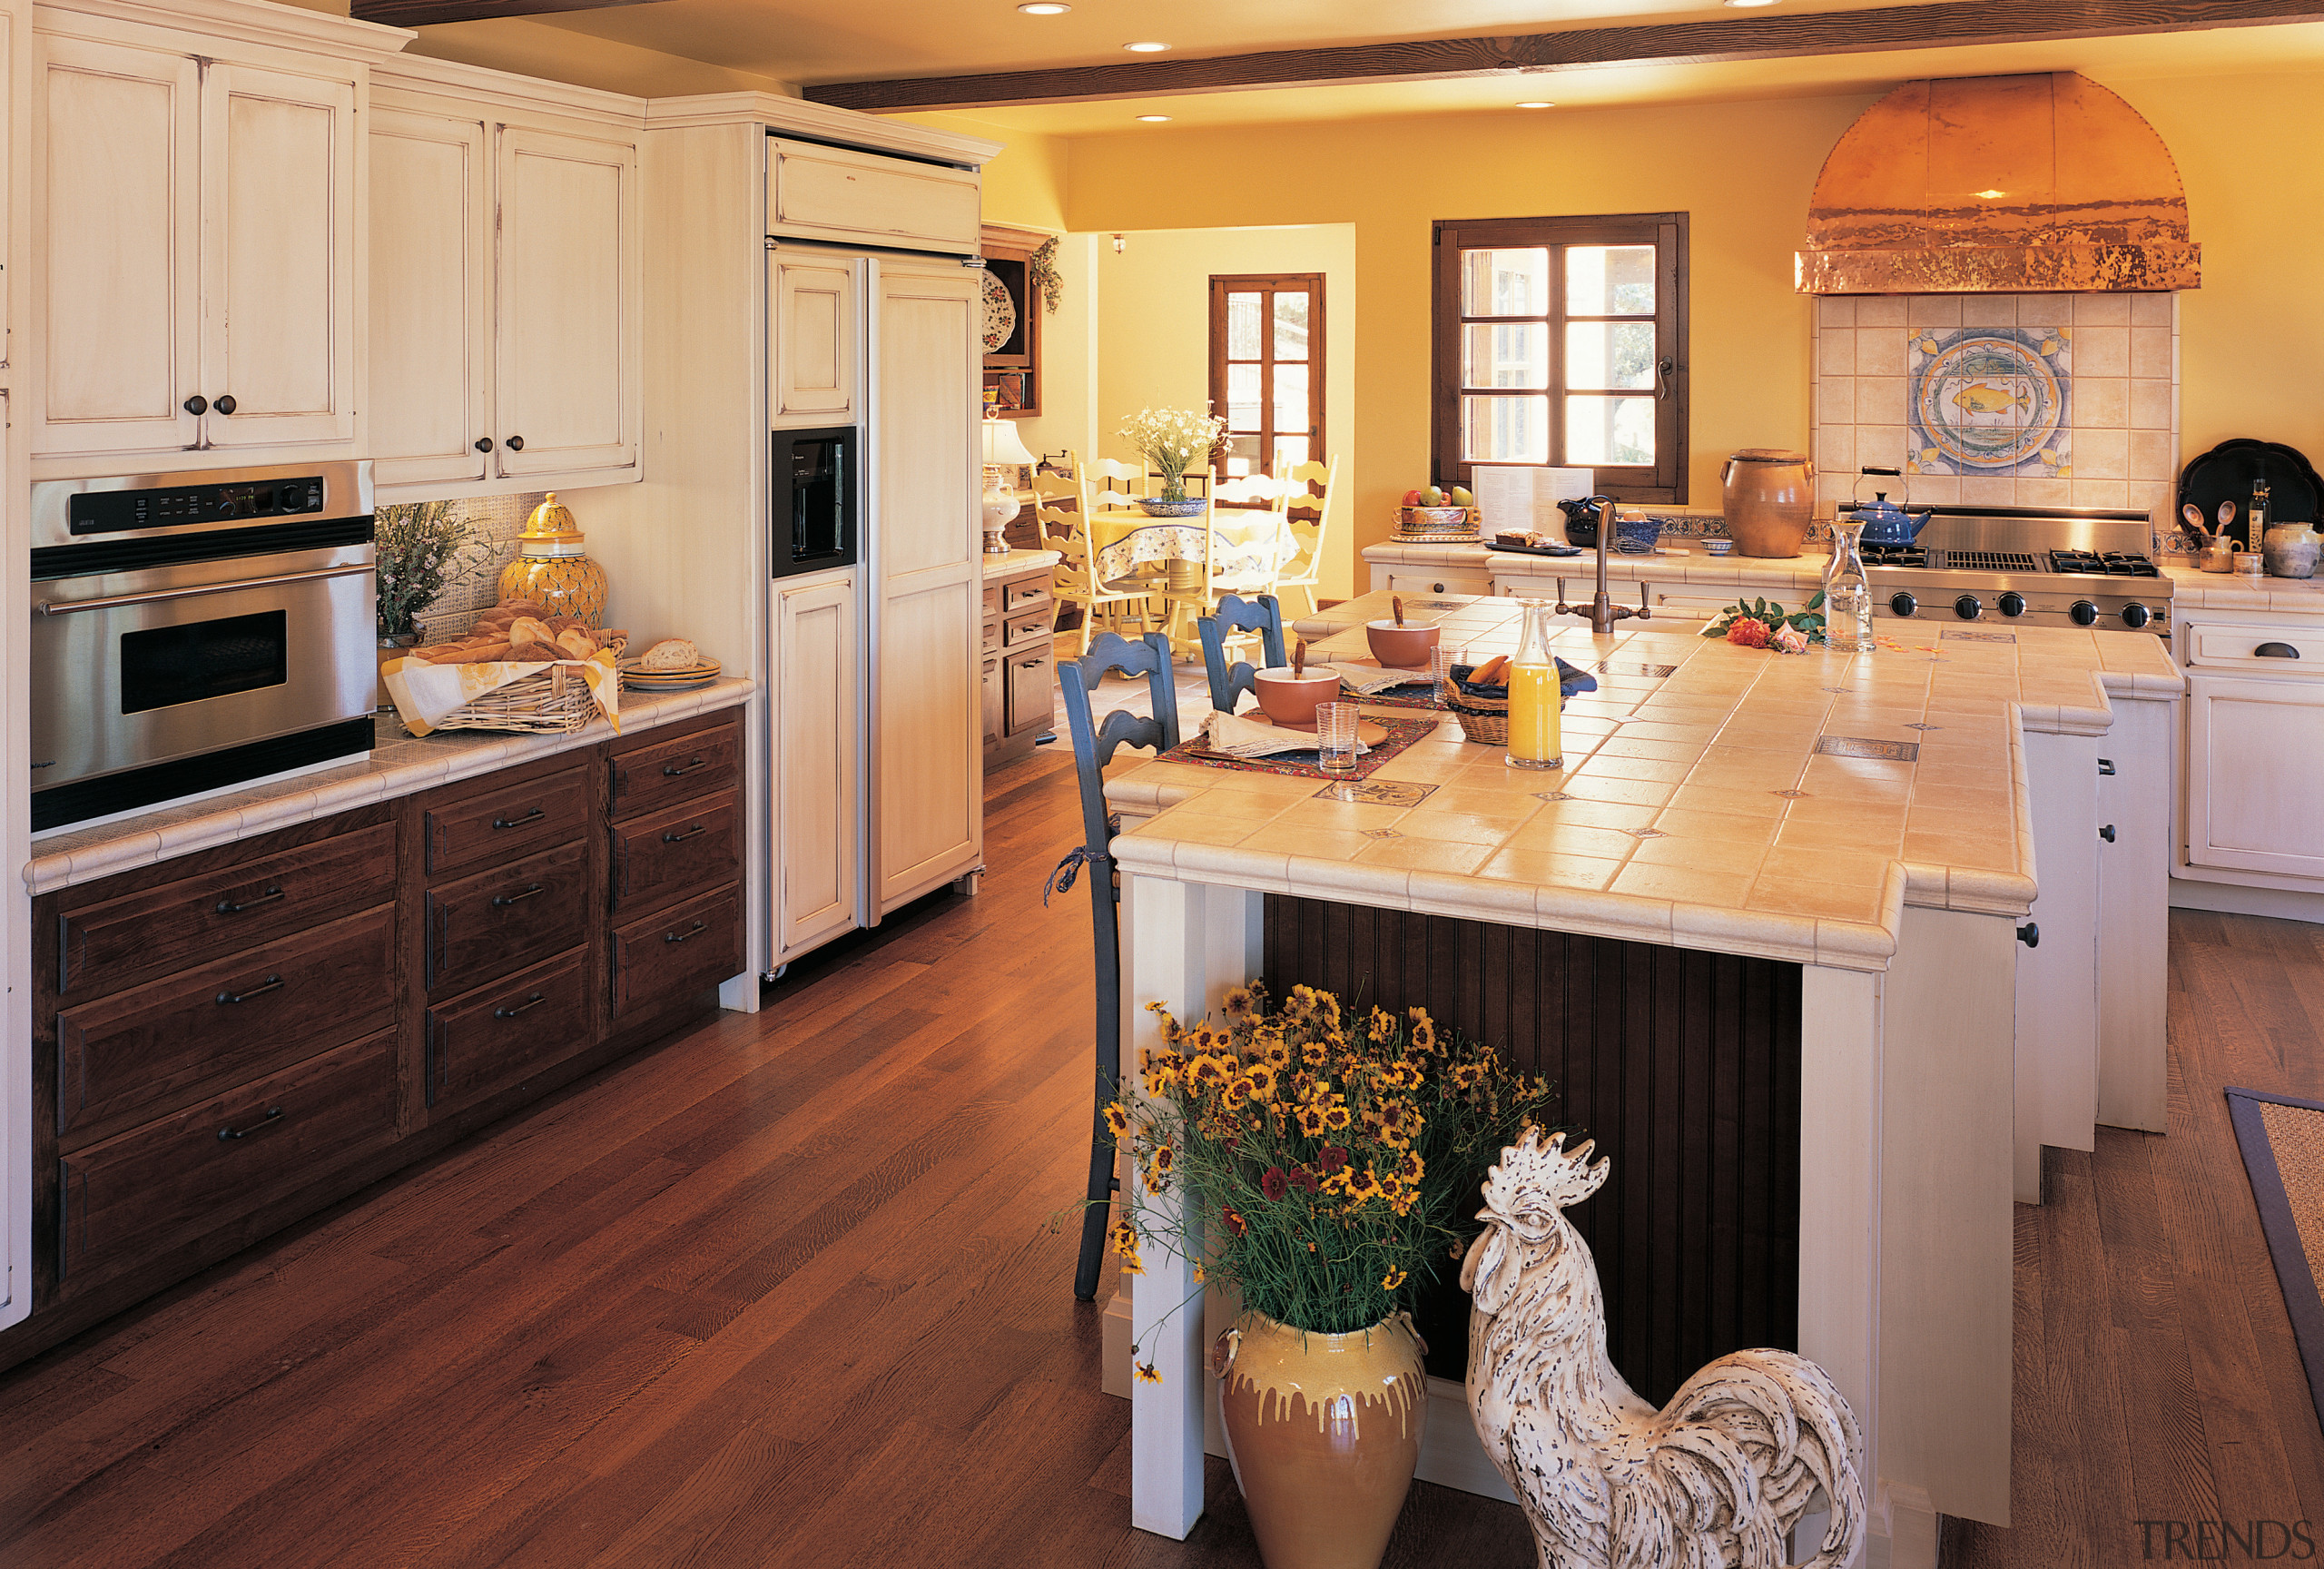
(1094, 745)
(1263, 616)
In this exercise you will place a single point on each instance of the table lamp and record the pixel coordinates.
(1001, 445)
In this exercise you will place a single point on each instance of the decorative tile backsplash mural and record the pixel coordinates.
(1999, 399)
(497, 521)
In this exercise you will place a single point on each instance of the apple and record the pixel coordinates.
(1461, 498)
(1412, 497)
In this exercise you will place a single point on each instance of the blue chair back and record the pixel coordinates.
(1094, 742)
(1263, 616)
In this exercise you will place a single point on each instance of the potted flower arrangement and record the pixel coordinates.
(421, 548)
(1330, 1165)
(1172, 441)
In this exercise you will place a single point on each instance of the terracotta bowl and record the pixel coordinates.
(1289, 699)
(1401, 648)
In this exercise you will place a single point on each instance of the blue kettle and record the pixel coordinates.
(1884, 522)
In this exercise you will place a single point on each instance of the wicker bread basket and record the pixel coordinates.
(1484, 720)
(553, 702)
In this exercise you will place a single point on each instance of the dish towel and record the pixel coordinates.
(1364, 680)
(1232, 737)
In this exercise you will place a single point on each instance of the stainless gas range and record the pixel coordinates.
(2062, 568)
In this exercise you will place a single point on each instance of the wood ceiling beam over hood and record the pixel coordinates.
(1948, 23)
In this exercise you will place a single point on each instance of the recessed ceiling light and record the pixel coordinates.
(1145, 48)
(1045, 8)
(1537, 103)
(1152, 119)
(1750, 4)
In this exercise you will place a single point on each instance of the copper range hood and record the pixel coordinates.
(1998, 186)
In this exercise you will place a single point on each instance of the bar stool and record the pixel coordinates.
(1094, 743)
(1233, 614)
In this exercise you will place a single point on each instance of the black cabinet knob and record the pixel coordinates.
(197, 404)
(2012, 604)
(2107, 833)
(516, 443)
(1968, 607)
(2030, 934)
(2084, 613)
(225, 404)
(484, 443)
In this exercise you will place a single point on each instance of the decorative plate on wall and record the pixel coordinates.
(999, 314)
(1987, 401)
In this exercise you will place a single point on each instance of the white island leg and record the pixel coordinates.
(1184, 944)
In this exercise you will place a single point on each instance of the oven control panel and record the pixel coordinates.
(116, 511)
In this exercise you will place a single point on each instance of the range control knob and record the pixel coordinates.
(2135, 617)
(2013, 602)
(2083, 613)
(1968, 607)
(1903, 603)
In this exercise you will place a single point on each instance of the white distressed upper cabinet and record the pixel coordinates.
(196, 277)
(814, 694)
(431, 296)
(929, 596)
(565, 371)
(832, 193)
(811, 309)
(2251, 745)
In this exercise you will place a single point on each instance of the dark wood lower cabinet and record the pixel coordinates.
(231, 1039)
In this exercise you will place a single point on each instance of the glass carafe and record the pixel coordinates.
(1534, 702)
(1847, 592)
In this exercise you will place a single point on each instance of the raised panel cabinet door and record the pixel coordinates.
(117, 248)
(816, 788)
(278, 273)
(813, 312)
(929, 596)
(833, 193)
(430, 297)
(565, 333)
(2245, 739)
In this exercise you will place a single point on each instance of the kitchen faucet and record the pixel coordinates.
(1602, 611)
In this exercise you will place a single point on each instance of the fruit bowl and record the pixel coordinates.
(1439, 519)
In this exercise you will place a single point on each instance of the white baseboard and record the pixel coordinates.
(2239, 899)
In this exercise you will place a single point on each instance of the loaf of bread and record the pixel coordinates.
(670, 654)
(1515, 536)
(576, 641)
(530, 629)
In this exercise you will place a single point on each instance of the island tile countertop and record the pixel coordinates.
(1018, 561)
(1696, 808)
(399, 765)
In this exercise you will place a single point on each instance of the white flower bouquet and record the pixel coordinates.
(421, 548)
(1172, 441)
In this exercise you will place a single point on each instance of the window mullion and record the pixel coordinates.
(1555, 329)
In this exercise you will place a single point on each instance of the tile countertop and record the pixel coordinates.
(399, 765)
(1676, 823)
(2193, 590)
(1018, 561)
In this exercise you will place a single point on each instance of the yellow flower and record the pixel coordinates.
(1392, 1280)
(1423, 1030)
(1335, 1117)
(1206, 1071)
(1260, 1078)
(1117, 1119)
(1237, 1002)
(1237, 1092)
(1310, 1118)
(1314, 1053)
(1380, 1026)
(1466, 1075)
(1148, 1373)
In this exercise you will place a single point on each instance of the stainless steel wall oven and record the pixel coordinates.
(192, 631)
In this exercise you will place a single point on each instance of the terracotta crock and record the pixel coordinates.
(1289, 699)
(1767, 494)
(1324, 1431)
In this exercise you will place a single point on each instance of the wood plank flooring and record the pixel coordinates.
(795, 1288)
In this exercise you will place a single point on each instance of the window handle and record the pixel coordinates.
(1662, 368)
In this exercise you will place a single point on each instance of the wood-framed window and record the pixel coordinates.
(1266, 368)
(1562, 342)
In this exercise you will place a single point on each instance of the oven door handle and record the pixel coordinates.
(67, 606)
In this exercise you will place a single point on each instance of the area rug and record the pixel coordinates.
(2283, 1142)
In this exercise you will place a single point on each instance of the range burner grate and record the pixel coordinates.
(1894, 556)
(1990, 561)
(2113, 564)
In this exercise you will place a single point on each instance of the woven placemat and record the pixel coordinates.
(1402, 733)
(2283, 1142)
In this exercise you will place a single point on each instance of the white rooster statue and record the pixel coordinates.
(1715, 1479)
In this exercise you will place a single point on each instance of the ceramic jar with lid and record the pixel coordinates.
(1767, 494)
(2291, 550)
(553, 569)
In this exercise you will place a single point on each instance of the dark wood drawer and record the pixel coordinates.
(184, 1175)
(1029, 677)
(136, 1050)
(1026, 628)
(494, 827)
(1024, 594)
(663, 958)
(669, 772)
(490, 1038)
(676, 853)
(105, 947)
(504, 919)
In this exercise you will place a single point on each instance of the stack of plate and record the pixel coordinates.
(680, 680)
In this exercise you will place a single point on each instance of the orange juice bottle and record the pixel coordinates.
(1535, 701)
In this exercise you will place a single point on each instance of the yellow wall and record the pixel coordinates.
(2253, 339)
(1026, 184)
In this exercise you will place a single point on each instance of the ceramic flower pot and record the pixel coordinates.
(1161, 507)
(2291, 550)
(1324, 1431)
(1289, 699)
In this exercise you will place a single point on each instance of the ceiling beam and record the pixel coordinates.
(426, 13)
(1947, 23)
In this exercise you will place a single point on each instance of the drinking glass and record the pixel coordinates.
(1440, 661)
(1335, 736)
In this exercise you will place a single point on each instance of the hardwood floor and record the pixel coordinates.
(789, 1291)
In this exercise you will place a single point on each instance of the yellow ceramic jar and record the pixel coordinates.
(551, 568)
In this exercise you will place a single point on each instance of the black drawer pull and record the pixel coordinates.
(519, 822)
(699, 928)
(2107, 833)
(258, 1127)
(505, 899)
(672, 770)
(680, 838)
(273, 983)
(2030, 934)
(2106, 766)
(533, 1000)
(228, 907)
(2276, 651)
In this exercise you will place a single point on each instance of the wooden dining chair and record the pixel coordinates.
(1075, 579)
(1094, 745)
(1262, 617)
(1304, 572)
(1105, 483)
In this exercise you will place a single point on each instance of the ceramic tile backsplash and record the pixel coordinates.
(1999, 399)
(498, 519)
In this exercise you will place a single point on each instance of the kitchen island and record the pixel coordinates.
(1867, 829)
